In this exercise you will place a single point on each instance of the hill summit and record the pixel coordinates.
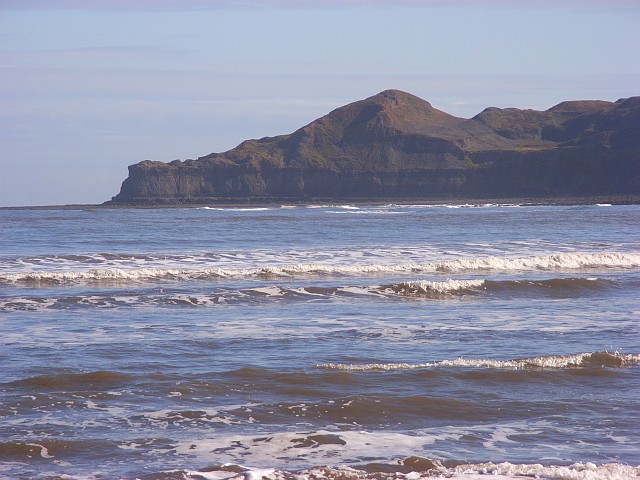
(395, 145)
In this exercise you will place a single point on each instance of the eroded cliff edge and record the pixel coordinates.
(395, 145)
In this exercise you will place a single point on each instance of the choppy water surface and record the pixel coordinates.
(320, 342)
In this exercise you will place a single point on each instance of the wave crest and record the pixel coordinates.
(580, 360)
(418, 467)
(434, 288)
(561, 261)
(422, 289)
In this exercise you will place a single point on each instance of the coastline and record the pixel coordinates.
(277, 202)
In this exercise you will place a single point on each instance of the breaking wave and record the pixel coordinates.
(421, 289)
(561, 261)
(434, 288)
(580, 360)
(415, 468)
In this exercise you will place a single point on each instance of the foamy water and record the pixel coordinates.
(329, 341)
(555, 262)
(406, 470)
(561, 361)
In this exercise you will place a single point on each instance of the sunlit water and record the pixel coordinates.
(386, 340)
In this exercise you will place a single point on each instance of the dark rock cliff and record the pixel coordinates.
(396, 145)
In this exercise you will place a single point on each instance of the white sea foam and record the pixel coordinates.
(544, 262)
(328, 205)
(165, 418)
(546, 362)
(560, 261)
(430, 469)
(577, 471)
(319, 447)
(237, 209)
(44, 452)
(358, 291)
(428, 287)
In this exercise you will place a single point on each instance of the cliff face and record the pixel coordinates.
(395, 145)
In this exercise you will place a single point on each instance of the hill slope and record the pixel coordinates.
(396, 145)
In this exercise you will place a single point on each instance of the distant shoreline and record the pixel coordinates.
(277, 202)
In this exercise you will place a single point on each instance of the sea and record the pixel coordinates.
(320, 342)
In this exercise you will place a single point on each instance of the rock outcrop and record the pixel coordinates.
(395, 145)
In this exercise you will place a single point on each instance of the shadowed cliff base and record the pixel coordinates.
(395, 146)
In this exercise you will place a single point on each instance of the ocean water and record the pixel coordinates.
(326, 342)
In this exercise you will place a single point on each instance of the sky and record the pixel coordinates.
(88, 87)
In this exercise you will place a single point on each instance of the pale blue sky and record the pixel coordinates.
(90, 87)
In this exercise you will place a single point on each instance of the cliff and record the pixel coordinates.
(396, 145)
